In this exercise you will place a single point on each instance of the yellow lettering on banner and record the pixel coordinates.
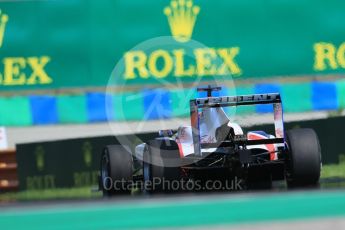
(40, 182)
(135, 60)
(324, 52)
(83, 179)
(38, 75)
(204, 58)
(228, 55)
(162, 63)
(167, 63)
(341, 55)
(180, 71)
(13, 71)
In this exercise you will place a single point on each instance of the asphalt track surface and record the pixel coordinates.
(305, 209)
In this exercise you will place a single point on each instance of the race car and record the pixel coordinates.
(214, 148)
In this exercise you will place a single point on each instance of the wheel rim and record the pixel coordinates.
(105, 172)
(146, 172)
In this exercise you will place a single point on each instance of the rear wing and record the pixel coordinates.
(237, 100)
(255, 99)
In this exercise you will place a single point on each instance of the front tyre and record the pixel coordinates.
(304, 158)
(116, 170)
(160, 166)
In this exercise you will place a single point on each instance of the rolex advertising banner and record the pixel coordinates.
(65, 163)
(78, 43)
(58, 164)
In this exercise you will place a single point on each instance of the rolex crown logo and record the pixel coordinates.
(39, 153)
(182, 16)
(3, 21)
(87, 153)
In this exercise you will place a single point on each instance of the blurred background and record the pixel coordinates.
(59, 87)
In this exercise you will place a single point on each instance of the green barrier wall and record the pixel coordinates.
(62, 44)
(297, 97)
(131, 105)
(65, 163)
(15, 111)
(89, 107)
(341, 93)
(72, 109)
(180, 102)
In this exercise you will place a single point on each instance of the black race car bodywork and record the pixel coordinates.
(213, 148)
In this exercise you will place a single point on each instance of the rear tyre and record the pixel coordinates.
(116, 170)
(160, 166)
(304, 161)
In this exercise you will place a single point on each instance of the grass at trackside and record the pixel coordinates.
(51, 194)
(334, 170)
